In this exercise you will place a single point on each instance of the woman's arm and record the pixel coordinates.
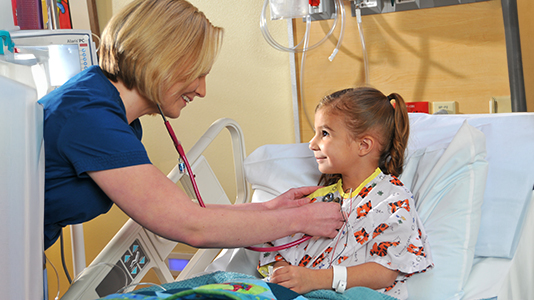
(145, 194)
(303, 280)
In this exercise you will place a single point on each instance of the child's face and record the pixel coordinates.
(334, 148)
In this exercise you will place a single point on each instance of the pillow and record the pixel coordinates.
(277, 168)
(509, 145)
(448, 182)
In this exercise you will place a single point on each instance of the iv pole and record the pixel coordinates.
(513, 53)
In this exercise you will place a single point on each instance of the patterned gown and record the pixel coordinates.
(382, 227)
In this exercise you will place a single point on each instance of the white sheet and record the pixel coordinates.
(486, 279)
(509, 145)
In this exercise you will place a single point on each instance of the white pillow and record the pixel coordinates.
(277, 168)
(448, 182)
(509, 146)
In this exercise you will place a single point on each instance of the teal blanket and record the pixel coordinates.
(228, 285)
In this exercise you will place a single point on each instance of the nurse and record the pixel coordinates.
(152, 52)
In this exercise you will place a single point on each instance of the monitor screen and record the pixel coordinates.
(63, 60)
(63, 52)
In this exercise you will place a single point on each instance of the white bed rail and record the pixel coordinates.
(238, 145)
(133, 251)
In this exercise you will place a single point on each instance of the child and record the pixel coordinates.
(359, 143)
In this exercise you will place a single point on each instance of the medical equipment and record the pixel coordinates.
(266, 34)
(63, 53)
(21, 185)
(303, 46)
(36, 62)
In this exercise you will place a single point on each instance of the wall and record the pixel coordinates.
(526, 27)
(453, 53)
(249, 83)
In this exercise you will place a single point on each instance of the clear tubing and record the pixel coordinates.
(342, 31)
(301, 75)
(295, 49)
(364, 49)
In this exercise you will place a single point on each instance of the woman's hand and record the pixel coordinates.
(292, 198)
(320, 219)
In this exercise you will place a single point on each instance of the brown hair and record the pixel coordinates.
(367, 110)
(152, 44)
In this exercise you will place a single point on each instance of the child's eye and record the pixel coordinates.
(324, 133)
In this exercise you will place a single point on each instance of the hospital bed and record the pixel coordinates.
(471, 176)
(472, 180)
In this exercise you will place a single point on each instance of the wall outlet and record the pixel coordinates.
(500, 104)
(448, 106)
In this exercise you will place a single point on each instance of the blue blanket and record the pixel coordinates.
(228, 285)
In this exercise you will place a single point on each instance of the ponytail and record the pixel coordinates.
(392, 160)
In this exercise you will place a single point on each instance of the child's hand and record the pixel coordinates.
(299, 279)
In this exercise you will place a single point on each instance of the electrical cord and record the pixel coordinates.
(62, 248)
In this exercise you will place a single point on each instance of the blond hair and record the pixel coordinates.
(152, 44)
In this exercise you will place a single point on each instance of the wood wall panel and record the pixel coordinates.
(452, 53)
(526, 29)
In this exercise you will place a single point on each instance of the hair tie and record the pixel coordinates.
(392, 100)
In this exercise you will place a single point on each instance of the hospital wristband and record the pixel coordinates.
(339, 281)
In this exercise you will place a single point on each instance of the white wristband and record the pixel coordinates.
(339, 282)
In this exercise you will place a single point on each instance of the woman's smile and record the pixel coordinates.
(186, 99)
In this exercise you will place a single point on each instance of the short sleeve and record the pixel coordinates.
(99, 138)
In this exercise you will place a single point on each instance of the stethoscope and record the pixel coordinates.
(182, 156)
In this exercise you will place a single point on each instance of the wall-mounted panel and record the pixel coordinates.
(386, 6)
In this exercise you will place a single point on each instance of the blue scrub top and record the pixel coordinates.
(85, 129)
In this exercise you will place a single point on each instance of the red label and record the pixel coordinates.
(417, 107)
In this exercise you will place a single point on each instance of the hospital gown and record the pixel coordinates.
(382, 227)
